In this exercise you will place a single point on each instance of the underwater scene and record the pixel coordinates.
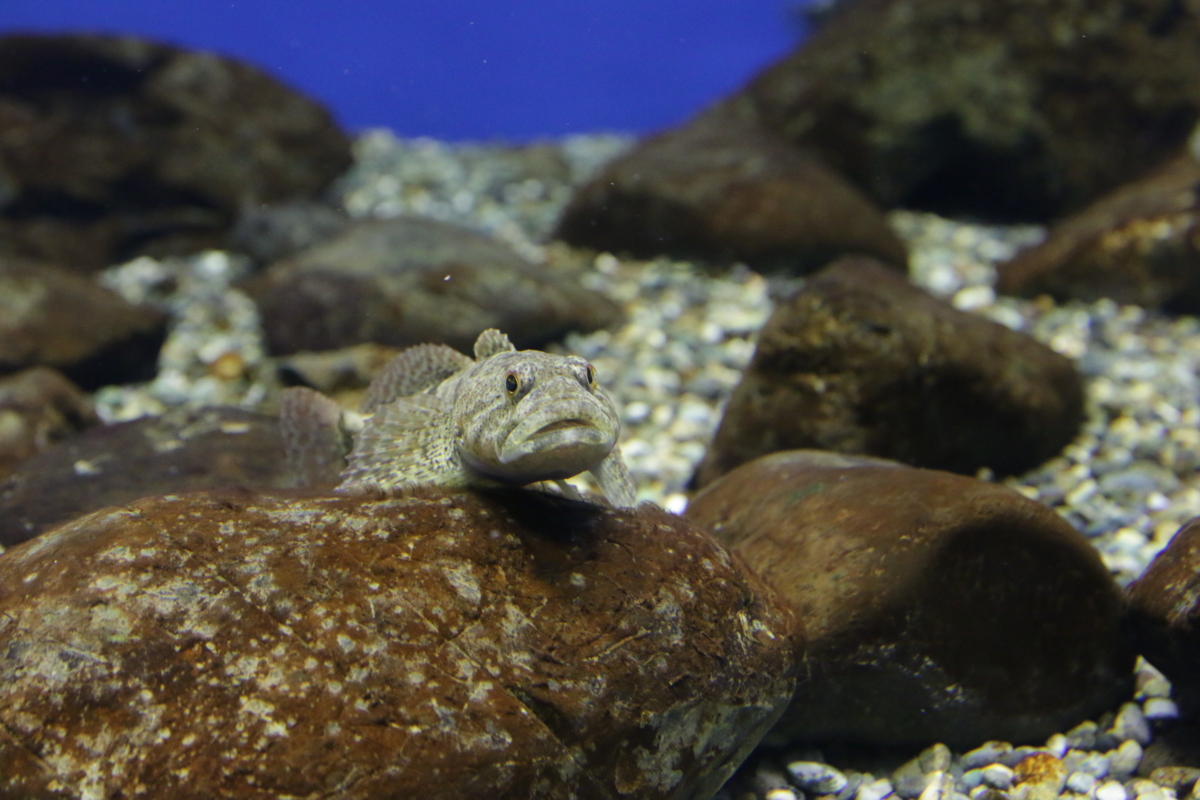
(786, 401)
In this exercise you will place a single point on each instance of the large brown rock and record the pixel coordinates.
(51, 317)
(437, 645)
(1020, 109)
(411, 280)
(1138, 245)
(111, 146)
(38, 408)
(937, 608)
(184, 449)
(1165, 603)
(724, 190)
(861, 361)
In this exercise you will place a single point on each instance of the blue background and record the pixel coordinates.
(467, 69)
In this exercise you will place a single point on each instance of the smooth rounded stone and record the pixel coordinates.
(410, 280)
(940, 786)
(1165, 615)
(1160, 708)
(1011, 109)
(184, 449)
(1147, 790)
(1039, 776)
(1130, 723)
(987, 753)
(39, 408)
(861, 361)
(1093, 763)
(1125, 759)
(720, 189)
(1178, 779)
(1057, 745)
(1137, 245)
(997, 776)
(875, 790)
(116, 146)
(1083, 735)
(343, 374)
(816, 778)
(436, 645)
(268, 233)
(937, 607)
(50, 317)
(1111, 790)
(1081, 783)
(910, 779)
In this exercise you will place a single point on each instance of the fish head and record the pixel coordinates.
(529, 416)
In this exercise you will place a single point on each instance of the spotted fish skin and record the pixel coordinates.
(506, 417)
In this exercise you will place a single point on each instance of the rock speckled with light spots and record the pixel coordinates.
(507, 645)
(862, 361)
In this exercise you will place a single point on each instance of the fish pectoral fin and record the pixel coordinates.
(615, 482)
(314, 441)
(491, 342)
(407, 442)
(411, 371)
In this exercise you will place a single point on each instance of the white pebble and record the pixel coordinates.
(875, 790)
(1057, 745)
(1111, 790)
(1125, 759)
(781, 794)
(997, 776)
(1160, 708)
(1081, 782)
(1131, 724)
(816, 778)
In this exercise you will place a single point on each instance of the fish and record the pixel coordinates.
(436, 417)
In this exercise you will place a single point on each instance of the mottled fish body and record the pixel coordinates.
(438, 417)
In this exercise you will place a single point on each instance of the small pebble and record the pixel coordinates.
(1083, 735)
(1131, 724)
(1125, 759)
(1160, 708)
(874, 790)
(1111, 790)
(1081, 782)
(940, 786)
(987, 753)
(816, 778)
(997, 776)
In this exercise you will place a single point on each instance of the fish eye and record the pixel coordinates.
(591, 375)
(512, 383)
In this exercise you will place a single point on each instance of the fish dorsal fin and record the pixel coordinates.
(411, 371)
(491, 342)
(314, 441)
(408, 442)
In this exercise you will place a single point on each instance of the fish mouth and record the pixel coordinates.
(562, 425)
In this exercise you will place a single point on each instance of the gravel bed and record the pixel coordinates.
(1128, 481)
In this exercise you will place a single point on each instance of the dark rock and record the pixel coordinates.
(861, 361)
(38, 408)
(410, 280)
(1139, 245)
(1009, 109)
(112, 146)
(268, 233)
(1163, 621)
(936, 607)
(182, 450)
(55, 318)
(437, 645)
(720, 189)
